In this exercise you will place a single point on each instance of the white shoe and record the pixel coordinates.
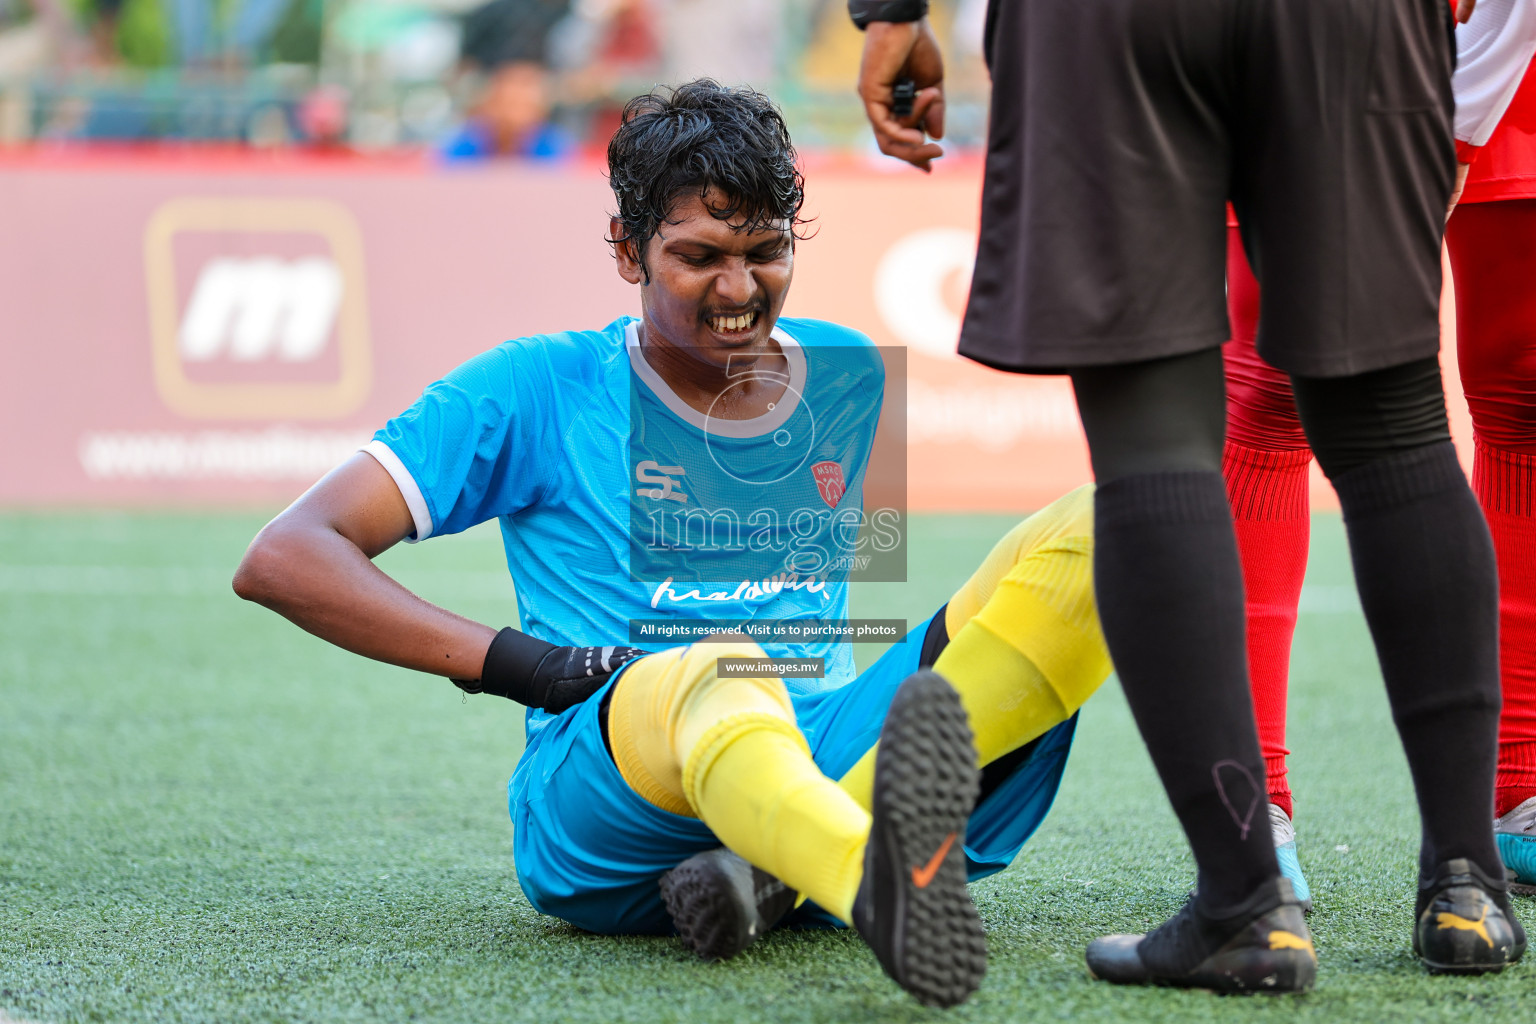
(1285, 853)
(1516, 835)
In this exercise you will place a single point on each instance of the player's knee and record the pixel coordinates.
(686, 686)
(1056, 581)
(1495, 357)
(1047, 603)
(715, 681)
(1070, 515)
(1499, 396)
(1267, 425)
(1062, 535)
(723, 661)
(1019, 553)
(1261, 408)
(671, 703)
(1077, 512)
(698, 665)
(1507, 426)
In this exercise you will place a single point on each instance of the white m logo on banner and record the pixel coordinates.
(260, 307)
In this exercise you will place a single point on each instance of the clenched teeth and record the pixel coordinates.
(732, 324)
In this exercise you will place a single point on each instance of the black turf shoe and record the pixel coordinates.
(913, 907)
(1463, 922)
(720, 904)
(1262, 946)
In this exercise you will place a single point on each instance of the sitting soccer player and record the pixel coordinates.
(876, 796)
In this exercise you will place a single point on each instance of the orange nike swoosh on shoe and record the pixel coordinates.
(923, 875)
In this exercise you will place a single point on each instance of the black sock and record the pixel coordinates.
(1170, 594)
(1424, 565)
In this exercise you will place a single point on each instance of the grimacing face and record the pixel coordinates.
(715, 291)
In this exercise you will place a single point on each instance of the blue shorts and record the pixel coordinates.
(589, 850)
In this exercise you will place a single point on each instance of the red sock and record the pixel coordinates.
(1504, 483)
(1269, 496)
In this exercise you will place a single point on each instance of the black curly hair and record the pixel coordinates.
(695, 137)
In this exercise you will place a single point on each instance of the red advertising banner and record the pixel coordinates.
(179, 333)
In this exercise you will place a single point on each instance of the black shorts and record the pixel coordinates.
(1121, 128)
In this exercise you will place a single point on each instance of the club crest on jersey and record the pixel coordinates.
(829, 481)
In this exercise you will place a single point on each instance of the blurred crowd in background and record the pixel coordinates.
(462, 79)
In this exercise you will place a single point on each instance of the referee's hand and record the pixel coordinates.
(893, 51)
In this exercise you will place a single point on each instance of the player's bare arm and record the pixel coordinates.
(313, 565)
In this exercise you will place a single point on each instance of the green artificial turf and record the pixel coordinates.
(207, 815)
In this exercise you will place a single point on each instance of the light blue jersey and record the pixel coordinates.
(620, 502)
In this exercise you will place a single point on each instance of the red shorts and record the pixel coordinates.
(1493, 253)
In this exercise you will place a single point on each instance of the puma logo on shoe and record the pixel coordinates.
(923, 875)
(1446, 919)
(1290, 940)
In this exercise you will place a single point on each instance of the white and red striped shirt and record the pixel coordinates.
(1496, 100)
(1493, 51)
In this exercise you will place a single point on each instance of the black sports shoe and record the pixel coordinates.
(1463, 923)
(720, 904)
(1262, 946)
(913, 907)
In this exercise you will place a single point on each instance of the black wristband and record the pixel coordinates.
(865, 11)
(511, 669)
(542, 675)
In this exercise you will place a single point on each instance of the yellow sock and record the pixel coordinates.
(766, 800)
(1026, 650)
(727, 750)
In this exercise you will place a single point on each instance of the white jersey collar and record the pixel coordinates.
(755, 427)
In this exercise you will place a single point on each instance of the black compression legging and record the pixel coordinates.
(1351, 421)
(1170, 415)
(1170, 597)
(1170, 590)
